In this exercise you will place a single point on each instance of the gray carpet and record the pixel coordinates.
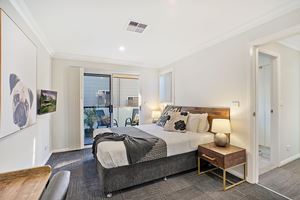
(285, 180)
(84, 184)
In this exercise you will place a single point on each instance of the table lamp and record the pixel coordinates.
(155, 115)
(222, 130)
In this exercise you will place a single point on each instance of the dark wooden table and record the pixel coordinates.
(223, 158)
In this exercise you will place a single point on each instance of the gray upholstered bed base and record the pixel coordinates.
(118, 178)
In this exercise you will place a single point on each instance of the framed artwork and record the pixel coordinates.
(18, 78)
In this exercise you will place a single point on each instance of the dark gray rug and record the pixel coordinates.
(285, 180)
(85, 185)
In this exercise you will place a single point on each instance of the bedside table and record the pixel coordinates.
(223, 158)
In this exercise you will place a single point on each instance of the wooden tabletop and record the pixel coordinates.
(222, 150)
(27, 184)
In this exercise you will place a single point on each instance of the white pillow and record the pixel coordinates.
(203, 123)
(193, 122)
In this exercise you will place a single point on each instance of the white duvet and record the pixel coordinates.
(113, 154)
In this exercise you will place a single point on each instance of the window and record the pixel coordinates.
(165, 87)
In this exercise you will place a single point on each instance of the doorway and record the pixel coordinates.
(267, 91)
(97, 104)
(110, 101)
(277, 145)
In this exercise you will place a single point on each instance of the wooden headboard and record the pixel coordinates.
(213, 112)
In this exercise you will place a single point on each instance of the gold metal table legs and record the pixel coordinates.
(224, 177)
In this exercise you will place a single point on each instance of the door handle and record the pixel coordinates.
(272, 111)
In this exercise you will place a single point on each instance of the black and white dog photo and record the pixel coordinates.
(22, 100)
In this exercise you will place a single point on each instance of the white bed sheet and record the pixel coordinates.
(113, 154)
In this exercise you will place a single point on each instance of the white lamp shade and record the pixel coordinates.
(155, 114)
(221, 126)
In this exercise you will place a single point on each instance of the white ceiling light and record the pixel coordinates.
(121, 48)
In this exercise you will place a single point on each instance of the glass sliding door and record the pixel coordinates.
(97, 104)
(126, 111)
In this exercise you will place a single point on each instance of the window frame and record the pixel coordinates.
(162, 73)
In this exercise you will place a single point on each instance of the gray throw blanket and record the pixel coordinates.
(140, 146)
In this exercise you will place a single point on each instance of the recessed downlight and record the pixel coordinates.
(121, 48)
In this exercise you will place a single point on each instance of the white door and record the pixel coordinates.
(267, 118)
(264, 102)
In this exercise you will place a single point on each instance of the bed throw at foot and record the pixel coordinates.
(140, 146)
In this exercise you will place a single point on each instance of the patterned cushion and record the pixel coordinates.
(165, 114)
(176, 122)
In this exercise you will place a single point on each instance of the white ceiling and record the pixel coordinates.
(292, 42)
(95, 29)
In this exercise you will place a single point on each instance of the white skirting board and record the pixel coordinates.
(65, 149)
(58, 151)
(46, 159)
(290, 159)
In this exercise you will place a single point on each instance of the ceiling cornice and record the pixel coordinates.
(22, 9)
(241, 29)
(289, 45)
(96, 59)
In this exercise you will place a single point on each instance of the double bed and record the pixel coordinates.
(116, 172)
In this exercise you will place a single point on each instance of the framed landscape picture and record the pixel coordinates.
(18, 78)
(48, 101)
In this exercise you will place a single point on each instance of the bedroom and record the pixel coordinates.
(211, 66)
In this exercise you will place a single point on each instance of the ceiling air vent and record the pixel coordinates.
(136, 27)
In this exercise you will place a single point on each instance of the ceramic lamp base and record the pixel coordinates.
(221, 139)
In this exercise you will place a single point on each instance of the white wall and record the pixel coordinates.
(61, 127)
(221, 73)
(29, 147)
(289, 132)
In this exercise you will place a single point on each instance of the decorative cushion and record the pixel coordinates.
(203, 123)
(165, 114)
(193, 122)
(176, 122)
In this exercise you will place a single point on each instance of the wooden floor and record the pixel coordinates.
(285, 180)
(85, 185)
